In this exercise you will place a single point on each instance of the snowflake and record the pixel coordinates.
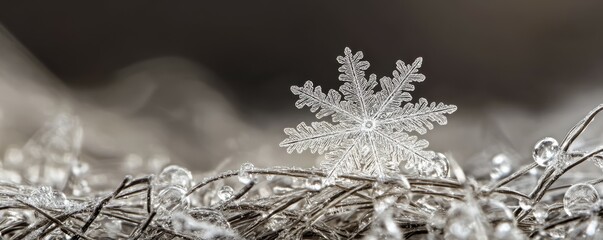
(367, 135)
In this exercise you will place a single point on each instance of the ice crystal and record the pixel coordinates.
(367, 134)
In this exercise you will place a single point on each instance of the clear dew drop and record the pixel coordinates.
(314, 183)
(245, 177)
(545, 151)
(225, 193)
(580, 199)
(174, 176)
(501, 166)
(439, 166)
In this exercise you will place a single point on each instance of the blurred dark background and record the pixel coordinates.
(525, 53)
(479, 55)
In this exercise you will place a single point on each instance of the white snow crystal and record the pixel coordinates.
(367, 134)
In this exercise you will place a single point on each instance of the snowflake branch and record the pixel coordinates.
(400, 83)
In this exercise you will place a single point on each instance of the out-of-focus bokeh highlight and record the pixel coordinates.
(206, 85)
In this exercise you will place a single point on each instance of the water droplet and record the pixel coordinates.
(545, 151)
(174, 176)
(501, 166)
(541, 212)
(172, 197)
(525, 204)
(245, 177)
(439, 166)
(314, 183)
(225, 193)
(580, 199)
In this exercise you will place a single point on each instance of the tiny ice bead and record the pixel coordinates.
(545, 151)
(244, 176)
(175, 176)
(580, 199)
(225, 193)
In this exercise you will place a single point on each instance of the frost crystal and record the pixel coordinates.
(367, 134)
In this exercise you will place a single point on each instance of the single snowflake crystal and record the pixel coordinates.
(367, 134)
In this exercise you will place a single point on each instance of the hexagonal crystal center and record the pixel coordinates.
(368, 125)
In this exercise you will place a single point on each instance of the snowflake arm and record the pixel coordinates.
(395, 90)
(419, 117)
(324, 104)
(408, 147)
(356, 87)
(348, 156)
(377, 166)
(319, 137)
